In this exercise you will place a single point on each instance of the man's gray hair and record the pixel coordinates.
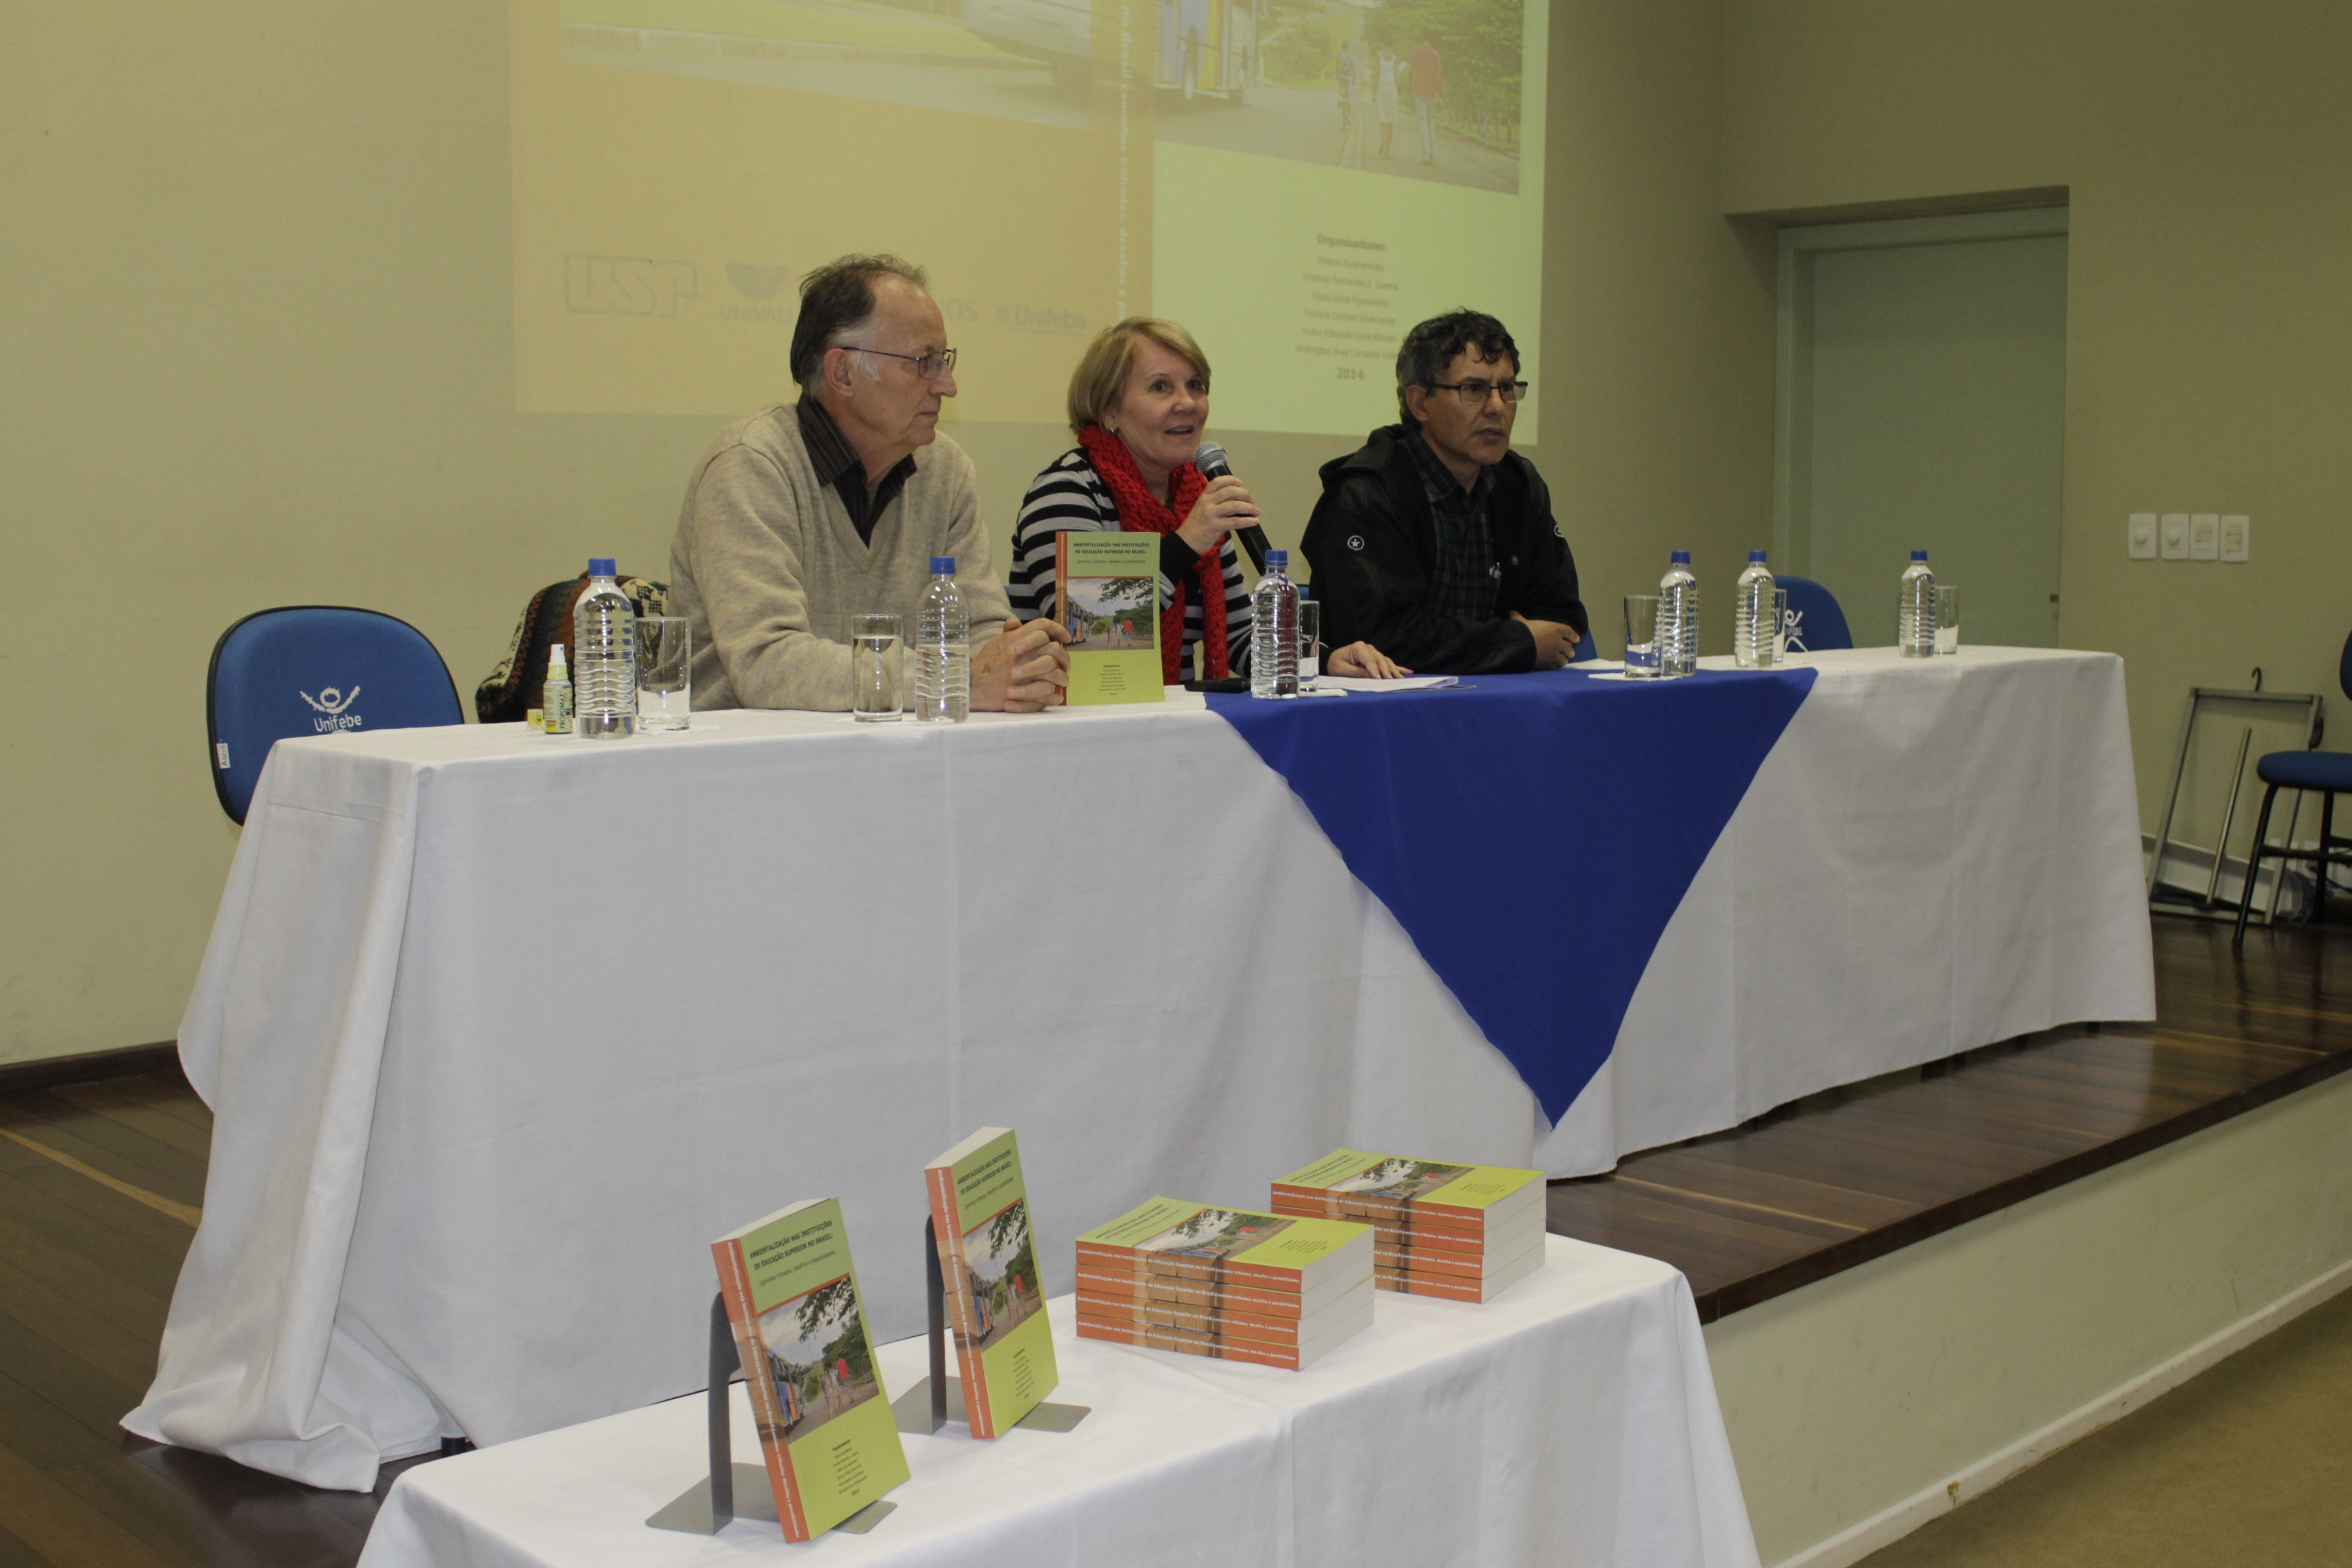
(836, 301)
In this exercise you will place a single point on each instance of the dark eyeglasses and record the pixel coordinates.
(1475, 393)
(928, 366)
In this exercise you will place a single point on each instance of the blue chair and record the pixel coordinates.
(315, 669)
(2330, 774)
(1588, 648)
(1815, 621)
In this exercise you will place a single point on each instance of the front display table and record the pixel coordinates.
(486, 1014)
(1572, 1420)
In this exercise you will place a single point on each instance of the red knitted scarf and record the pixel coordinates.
(1140, 511)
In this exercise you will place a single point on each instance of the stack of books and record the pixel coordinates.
(1464, 1232)
(1278, 1290)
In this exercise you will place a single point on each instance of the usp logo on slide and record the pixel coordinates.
(627, 285)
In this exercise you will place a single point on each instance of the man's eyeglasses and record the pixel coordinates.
(1475, 393)
(928, 366)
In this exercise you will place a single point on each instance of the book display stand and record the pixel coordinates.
(938, 1399)
(710, 1505)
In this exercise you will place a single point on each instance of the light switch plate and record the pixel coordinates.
(2172, 535)
(2139, 537)
(2237, 537)
(2205, 536)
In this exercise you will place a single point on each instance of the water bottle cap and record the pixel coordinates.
(1918, 555)
(1277, 560)
(1679, 558)
(601, 566)
(942, 566)
(1757, 556)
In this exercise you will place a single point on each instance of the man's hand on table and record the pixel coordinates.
(1555, 641)
(1024, 670)
(1361, 659)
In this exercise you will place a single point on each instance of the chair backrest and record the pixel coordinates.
(2344, 668)
(1588, 648)
(1816, 624)
(315, 669)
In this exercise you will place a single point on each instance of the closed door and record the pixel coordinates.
(1923, 406)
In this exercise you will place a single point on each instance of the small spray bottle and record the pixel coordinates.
(555, 707)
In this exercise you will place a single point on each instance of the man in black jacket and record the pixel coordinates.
(1435, 542)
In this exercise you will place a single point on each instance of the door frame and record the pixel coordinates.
(1792, 391)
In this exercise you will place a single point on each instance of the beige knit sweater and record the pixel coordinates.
(768, 569)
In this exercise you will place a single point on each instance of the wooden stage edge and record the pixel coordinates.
(1840, 1178)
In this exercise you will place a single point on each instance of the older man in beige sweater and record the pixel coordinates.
(802, 516)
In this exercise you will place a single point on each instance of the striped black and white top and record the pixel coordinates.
(1069, 495)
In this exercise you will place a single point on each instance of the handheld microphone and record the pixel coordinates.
(1210, 458)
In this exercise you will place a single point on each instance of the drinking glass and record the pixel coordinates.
(665, 672)
(1643, 660)
(1780, 625)
(1948, 618)
(1310, 624)
(873, 683)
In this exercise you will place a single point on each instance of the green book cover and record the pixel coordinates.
(988, 1262)
(1169, 1235)
(1109, 589)
(1389, 1182)
(824, 1422)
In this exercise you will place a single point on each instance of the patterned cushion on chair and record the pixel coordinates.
(511, 690)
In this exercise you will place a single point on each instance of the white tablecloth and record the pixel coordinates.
(499, 1029)
(1570, 1421)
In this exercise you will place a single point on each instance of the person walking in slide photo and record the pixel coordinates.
(1428, 83)
(1386, 82)
(1346, 74)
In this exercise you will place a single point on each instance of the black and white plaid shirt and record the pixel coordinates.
(1464, 584)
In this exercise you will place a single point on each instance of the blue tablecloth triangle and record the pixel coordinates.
(1531, 833)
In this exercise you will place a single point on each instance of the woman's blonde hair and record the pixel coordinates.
(1102, 370)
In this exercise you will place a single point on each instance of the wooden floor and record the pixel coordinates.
(100, 1183)
(1843, 1177)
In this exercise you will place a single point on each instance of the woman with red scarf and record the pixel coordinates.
(1138, 403)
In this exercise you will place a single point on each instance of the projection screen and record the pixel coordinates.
(1263, 171)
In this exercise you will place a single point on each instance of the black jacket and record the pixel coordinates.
(1372, 544)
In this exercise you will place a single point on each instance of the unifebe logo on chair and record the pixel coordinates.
(1109, 589)
(817, 1399)
(331, 710)
(988, 1262)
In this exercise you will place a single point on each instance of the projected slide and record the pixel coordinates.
(1297, 181)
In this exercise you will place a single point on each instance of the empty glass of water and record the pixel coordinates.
(1310, 627)
(665, 672)
(1948, 618)
(873, 678)
(1780, 625)
(1644, 660)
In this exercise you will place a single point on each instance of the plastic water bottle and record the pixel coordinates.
(942, 649)
(1678, 617)
(1915, 609)
(1274, 630)
(604, 657)
(1751, 628)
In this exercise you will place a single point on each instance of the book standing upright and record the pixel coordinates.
(1107, 587)
(826, 1430)
(988, 1267)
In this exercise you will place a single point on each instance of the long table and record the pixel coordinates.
(500, 1028)
(1570, 1420)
